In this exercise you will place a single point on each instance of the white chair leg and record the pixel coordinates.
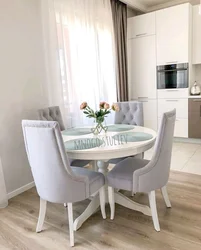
(102, 201)
(41, 217)
(111, 202)
(70, 222)
(152, 202)
(133, 193)
(165, 196)
(65, 204)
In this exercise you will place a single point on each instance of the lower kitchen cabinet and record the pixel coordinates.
(194, 121)
(181, 127)
(181, 106)
(150, 114)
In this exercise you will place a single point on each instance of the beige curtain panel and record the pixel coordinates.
(119, 13)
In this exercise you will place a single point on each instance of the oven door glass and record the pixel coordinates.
(171, 78)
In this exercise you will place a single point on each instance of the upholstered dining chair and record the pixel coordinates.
(55, 180)
(129, 113)
(54, 114)
(140, 175)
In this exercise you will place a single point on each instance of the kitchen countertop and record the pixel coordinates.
(194, 96)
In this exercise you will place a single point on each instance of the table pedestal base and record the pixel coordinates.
(91, 209)
(126, 202)
(95, 202)
(119, 199)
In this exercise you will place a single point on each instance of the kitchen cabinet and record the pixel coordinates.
(142, 25)
(194, 121)
(181, 127)
(142, 69)
(196, 35)
(173, 34)
(150, 113)
(175, 99)
(181, 106)
(173, 93)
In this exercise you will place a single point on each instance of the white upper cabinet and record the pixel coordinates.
(142, 25)
(196, 35)
(142, 68)
(173, 34)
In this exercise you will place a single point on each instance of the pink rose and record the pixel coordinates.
(83, 105)
(106, 106)
(101, 105)
(115, 107)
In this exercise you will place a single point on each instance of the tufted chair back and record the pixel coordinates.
(51, 114)
(130, 113)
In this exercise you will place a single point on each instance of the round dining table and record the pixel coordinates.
(119, 141)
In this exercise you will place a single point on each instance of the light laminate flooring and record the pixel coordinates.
(130, 230)
(180, 225)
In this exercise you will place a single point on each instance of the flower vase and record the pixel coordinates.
(99, 127)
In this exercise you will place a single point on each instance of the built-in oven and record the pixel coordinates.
(172, 76)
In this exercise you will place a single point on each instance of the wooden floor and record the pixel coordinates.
(180, 226)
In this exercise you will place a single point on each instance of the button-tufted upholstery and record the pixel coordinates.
(130, 113)
(51, 114)
(54, 114)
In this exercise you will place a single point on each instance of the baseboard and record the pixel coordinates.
(187, 140)
(21, 190)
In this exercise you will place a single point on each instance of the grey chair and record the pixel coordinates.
(129, 113)
(140, 175)
(54, 114)
(55, 180)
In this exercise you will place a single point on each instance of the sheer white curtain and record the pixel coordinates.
(80, 55)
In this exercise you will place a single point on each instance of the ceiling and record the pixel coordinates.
(150, 5)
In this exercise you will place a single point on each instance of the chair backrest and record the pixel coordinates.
(155, 174)
(51, 114)
(53, 176)
(130, 113)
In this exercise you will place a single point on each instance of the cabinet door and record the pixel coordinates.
(142, 67)
(181, 106)
(194, 121)
(181, 127)
(150, 114)
(142, 25)
(172, 28)
(196, 35)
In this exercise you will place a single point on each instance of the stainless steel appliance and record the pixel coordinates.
(172, 76)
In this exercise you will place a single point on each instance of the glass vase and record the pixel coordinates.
(99, 126)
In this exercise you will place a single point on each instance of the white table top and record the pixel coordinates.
(109, 150)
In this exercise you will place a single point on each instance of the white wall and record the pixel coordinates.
(21, 83)
(198, 73)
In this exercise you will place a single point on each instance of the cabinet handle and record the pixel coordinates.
(200, 110)
(172, 90)
(171, 100)
(142, 34)
(145, 97)
(174, 62)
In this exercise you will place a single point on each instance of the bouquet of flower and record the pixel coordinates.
(99, 115)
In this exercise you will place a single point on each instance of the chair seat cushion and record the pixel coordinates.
(121, 176)
(96, 179)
